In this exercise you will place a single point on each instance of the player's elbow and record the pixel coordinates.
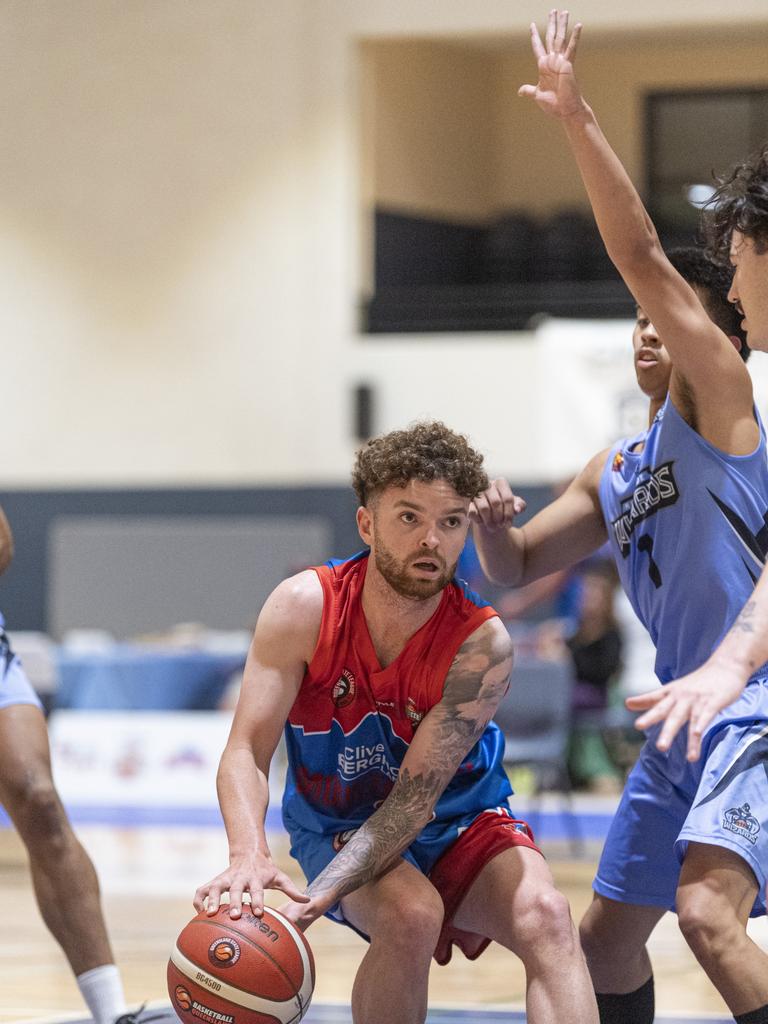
(633, 253)
(502, 577)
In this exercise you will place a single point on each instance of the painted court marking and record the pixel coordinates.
(337, 1013)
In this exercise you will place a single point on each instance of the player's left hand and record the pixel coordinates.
(696, 699)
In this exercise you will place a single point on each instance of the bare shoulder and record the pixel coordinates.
(594, 468)
(588, 480)
(480, 670)
(491, 637)
(292, 613)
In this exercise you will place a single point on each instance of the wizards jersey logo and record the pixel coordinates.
(655, 489)
(740, 821)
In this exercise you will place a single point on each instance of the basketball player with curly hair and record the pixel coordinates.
(385, 672)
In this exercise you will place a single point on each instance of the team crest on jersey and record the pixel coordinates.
(742, 822)
(656, 489)
(618, 462)
(344, 690)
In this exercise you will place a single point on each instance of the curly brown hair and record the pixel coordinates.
(741, 204)
(425, 451)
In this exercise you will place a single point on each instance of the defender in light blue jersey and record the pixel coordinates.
(685, 507)
(63, 877)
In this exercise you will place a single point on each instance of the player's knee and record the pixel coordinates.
(413, 925)
(599, 939)
(709, 925)
(38, 814)
(545, 921)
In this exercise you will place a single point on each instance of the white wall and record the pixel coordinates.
(181, 243)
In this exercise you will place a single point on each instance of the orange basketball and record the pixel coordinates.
(249, 970)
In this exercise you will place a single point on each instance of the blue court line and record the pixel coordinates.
(339, 1013)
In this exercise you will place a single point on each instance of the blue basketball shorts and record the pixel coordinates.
(720, 800)
(15, 688)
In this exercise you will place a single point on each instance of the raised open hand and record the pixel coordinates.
(695, 699)
(557, 91)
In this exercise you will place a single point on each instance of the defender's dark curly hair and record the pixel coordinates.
(699, 270)
(425, 451)
(740, 203)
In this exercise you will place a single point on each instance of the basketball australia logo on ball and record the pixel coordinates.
(244, 970)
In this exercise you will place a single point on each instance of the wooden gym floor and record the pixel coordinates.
(148, 875)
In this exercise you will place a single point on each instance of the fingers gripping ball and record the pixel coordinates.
(249, 970)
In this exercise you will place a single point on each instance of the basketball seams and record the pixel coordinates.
(254, 945)
(307, 960)
(289, 966)
(244, 1000)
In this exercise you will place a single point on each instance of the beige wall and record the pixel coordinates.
(434, 131)
(181, 238)
(494, 151)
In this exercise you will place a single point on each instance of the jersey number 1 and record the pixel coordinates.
(645, 543)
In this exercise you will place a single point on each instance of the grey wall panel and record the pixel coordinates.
(132, 575)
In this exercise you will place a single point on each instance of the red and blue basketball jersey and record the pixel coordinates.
(352, 722)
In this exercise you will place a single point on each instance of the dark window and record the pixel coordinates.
(692, 136)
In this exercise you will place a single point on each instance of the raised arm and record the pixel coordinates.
(559, 536)
(700, 351)
(473, 688)
(6, 543)
(285, 637)
(696, 698)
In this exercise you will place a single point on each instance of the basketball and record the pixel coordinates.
(249, 970)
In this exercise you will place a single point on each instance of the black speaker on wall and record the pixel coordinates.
(363, 412)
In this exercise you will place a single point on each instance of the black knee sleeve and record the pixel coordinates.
(636, 1007)
(759, 1016)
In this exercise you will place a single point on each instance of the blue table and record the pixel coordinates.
(130, 677)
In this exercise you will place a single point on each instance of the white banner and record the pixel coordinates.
(589, 397)
(136, 758)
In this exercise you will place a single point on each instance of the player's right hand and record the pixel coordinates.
(557, 91)
(246, 875)
(496, 507)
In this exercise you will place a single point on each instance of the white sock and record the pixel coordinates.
(102, 990)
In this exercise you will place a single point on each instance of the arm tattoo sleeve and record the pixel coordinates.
(744, 623)
(475, 684)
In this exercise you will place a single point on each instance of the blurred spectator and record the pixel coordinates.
(596, 649)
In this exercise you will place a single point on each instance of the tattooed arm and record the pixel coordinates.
(474, 686)
(699, 696)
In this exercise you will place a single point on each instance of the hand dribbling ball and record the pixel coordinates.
(246, 970)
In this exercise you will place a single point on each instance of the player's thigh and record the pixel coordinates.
(401, 902)
(513, 899)
(617, 930)
(730, 801)
(25, 758)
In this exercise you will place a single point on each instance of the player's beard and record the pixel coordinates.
(395, 572)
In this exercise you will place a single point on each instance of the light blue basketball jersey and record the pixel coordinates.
(688, 528)
(15, 688)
